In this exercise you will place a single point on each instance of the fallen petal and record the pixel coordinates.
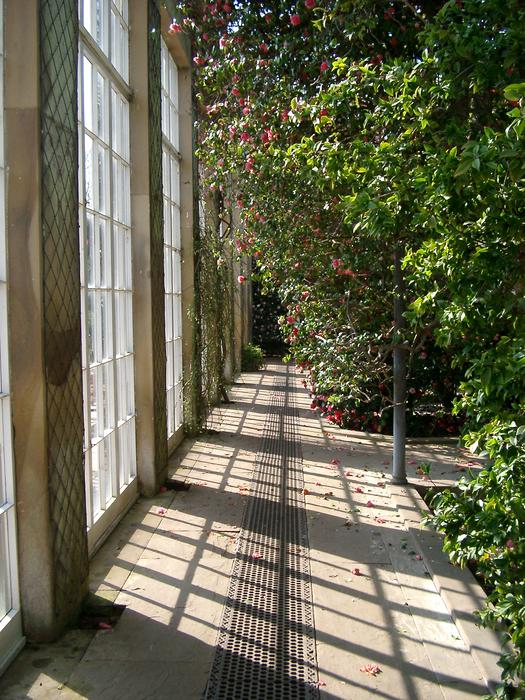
(306, 492)
(256, 555)
(335, 461)
(358, 489)
(162, 511)
(104, 626)
(371, 669)
(356, 572)
(369, 504)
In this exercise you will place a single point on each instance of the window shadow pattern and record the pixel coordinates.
(266, 644)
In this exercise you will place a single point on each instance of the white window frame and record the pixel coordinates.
(11, 637)
(106, 278)
(172, 240)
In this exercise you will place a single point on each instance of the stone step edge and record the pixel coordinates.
(458, 588)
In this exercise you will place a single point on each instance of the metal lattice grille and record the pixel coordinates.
(61, 283)
(266, 646)
(157, 236)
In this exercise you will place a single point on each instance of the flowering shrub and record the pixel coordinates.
(350, 134)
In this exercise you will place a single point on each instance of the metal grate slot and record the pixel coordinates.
(266, 645)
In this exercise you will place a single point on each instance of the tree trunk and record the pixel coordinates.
(400, 376)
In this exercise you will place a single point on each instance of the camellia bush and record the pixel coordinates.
(375, 152)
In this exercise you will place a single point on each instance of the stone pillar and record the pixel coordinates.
(44, 271)
(148, 244)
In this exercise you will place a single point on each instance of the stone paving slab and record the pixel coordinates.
(170, 559)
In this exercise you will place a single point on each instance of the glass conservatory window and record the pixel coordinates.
(172, 240)
(105, 242)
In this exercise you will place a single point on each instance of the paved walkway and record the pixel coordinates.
(382, 629)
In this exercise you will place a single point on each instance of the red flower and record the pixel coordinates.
(236, 92)
(310, 4)
(324, 66)
(295, 20)
(335, 263)
(241, 279)
(199, 60)
(175, 28)
(263, 47)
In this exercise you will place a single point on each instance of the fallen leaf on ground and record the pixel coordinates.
(380, 483)
(348, 473)
(328, 493)
(318, 483)
(371, 669)
(306, 492)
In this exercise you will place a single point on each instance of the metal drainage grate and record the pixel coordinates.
(266, 645)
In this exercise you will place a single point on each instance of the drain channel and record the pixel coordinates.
(266, 645)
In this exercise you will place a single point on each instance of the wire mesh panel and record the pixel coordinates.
(266, 646)
(9, 603)
(61, 296)
(172, 239)
(106, 266)
(156, 236)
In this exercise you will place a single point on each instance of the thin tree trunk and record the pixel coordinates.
(400, 376)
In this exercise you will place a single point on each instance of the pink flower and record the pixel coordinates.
(245, 136)
(371, 669)
(335, 263)
(263, 47)
(290, 320)
(175, 28)
(223, 42)
(161, 511)
(246, 111)
(250, 165)
(310, 4)
(236, 92)
(510, 544)
(241, 279)
(199, 60)
(324, 66)
(232, 131)
(295, 20)
(268, 17)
